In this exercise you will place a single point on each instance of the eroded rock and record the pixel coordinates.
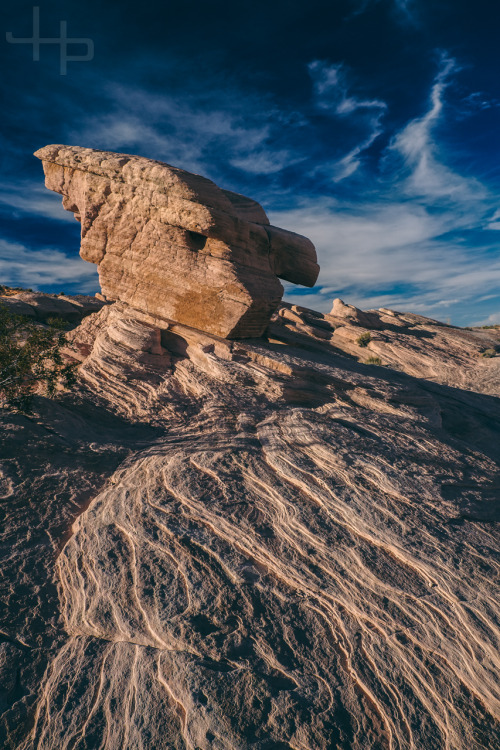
(292, 550)
(354, 315)
(42, 307)
(173, 244)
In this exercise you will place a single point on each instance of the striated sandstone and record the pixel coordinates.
(173, 244)
(255, 545)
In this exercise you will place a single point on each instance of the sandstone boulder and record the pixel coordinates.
(173, 244)
(354, 315)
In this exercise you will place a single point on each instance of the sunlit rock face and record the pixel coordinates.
(256, 545)
(173, 244)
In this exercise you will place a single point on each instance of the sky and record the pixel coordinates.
(370, 126)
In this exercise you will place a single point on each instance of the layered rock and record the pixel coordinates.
(297, 551)
(262, 544)
(42, 307)
(353, 315)
(174, 245)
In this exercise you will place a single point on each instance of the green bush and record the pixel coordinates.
(489, 353)
(30, 359)
(373, 361)
(364, 339)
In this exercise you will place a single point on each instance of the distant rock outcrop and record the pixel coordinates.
(174, 245)
(354, 315)
(42, 307)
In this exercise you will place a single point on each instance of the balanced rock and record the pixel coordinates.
(174, 245)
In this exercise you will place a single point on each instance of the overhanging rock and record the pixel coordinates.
(174, 245)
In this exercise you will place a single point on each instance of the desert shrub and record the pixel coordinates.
(9, 291)
(58, 324)
(373, 361)
(364, 339)
(489, 353)
(30, 359)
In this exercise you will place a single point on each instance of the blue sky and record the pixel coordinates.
(371, 126)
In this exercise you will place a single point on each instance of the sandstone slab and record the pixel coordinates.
(174, 245)
(42, 307)
(256, 545)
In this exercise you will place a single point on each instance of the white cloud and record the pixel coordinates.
(21, 266)
(494, 222)
(34, 199)
(331, 90)
(348, 164)
(264, 162)
(491, 320)
(370, 249)
(332, 94)
(479, 100)
(187, 131)
(391, 250)
(427, 176)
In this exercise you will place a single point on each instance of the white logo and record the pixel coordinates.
(62, 40)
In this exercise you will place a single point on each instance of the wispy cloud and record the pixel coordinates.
(33, 199)
(409, 247)
(405, 11)
(491, 320)
(390, 254)
(425, 174)
(40, 269)
(348, 164)
(187, 131)
(479, 100)
(260, 138)
(331, 90)
(333, 94)
(494, 221)
(406, 8)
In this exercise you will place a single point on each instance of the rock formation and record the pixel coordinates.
(267, 544)
(255, 545)
(41, 307)
(174, 245)
(353, 315)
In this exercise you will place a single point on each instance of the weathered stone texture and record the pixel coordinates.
(173, 244)
(240, 545)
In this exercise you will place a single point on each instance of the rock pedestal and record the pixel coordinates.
(174, 245)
